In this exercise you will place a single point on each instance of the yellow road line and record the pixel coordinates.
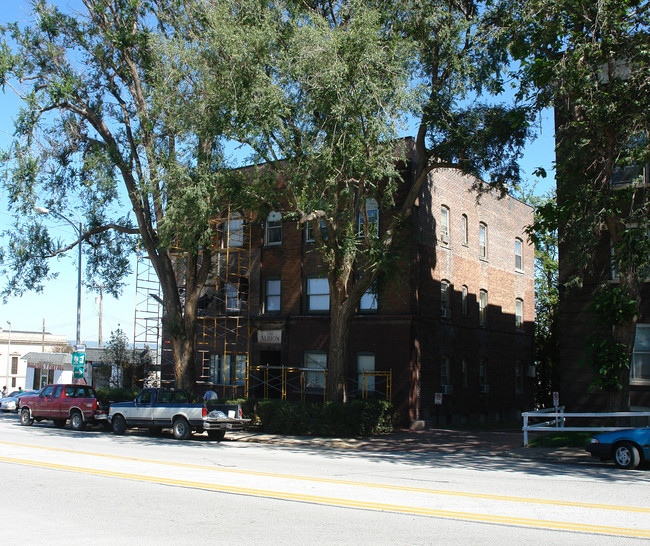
(332, 501)
(549, 502)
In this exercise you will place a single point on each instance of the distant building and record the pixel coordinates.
(14, 344)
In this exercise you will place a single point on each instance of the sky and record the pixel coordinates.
(55, 308)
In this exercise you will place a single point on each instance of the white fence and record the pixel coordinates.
(555, 419)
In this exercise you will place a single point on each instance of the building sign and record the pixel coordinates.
(269, 337)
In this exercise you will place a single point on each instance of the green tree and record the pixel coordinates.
(547, 297)
(101, 132)
(591, 61)
(122, 358)
(321, 91)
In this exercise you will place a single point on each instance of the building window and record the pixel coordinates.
(444, 225)
(366, 363)
(463, 371)
(482, 240)
(272, 296)
(465, 229)
(14, 365)
(519, 377)
(309, 231)
(445, 307)
(463, 300)
(368, 301)
(230, 370)
(482, 376)
(444, 374)
(640, 369)
(233, 303)
(274, 228)
(372, 212)
(318, 294)
(315, 361)
(482, 307)
(519, 313)
(519, 255)
(236, 232)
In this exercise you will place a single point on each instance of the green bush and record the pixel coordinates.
(117, 395)
(355, 418)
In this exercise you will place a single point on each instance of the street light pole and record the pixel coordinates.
(79, 230)
(8, 354)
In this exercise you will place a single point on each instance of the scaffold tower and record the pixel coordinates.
(148, 312)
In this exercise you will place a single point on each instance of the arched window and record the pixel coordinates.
(482, 307)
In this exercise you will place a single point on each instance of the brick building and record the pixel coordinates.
(458, 318)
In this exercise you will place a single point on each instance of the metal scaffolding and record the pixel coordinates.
(147, 315)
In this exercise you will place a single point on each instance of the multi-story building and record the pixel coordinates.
(577, 319)
(15, 344)
(449, 339)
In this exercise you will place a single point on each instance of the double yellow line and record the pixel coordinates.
(332, 501)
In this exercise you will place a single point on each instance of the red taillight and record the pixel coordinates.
(205, 411)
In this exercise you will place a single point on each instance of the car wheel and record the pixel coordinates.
(59, 423)
(119, 424)
(181, 429)
(626, 455)
(25, 417)
(217, 435)
(77, 421)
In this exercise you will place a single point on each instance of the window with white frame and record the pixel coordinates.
(366, 363)
(465, 228)
(368, 300)
(274, 228)
(445, 304)
(309, 231)
(318, 294)
(482, 307)
(316, 361)
(444, 225)
(519, 255)
(236, 231)
(482, 240)
(272, 295)
(372, 212)
(233, 302)
(519, 313)
(464, 294)
(640, 369)
(230, 370)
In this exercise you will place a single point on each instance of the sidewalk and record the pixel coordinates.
(493, 443)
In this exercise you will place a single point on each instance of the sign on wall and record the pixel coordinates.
(269, 337)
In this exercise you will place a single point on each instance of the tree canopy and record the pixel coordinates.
(591, 61)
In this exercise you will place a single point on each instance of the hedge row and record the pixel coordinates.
(354, 418)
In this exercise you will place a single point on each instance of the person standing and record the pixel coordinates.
(4, 391)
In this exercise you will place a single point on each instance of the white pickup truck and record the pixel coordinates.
(159, 408)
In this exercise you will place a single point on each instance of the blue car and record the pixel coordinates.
(629, 448)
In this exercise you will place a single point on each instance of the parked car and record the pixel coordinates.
(629, 447)
(10, 403)
(159, 408)
(62, 402)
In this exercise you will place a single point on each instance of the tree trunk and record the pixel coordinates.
(336, 385)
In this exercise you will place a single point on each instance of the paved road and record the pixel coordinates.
(94, 487)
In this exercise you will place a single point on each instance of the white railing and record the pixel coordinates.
(559, 420)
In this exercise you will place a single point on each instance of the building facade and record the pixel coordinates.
(449, 339)
(15, 344)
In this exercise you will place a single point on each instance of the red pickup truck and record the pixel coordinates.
(60, 403)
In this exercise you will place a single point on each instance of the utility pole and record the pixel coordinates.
(101, 304)
(43, 337)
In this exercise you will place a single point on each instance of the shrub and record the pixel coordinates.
(117, 395)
